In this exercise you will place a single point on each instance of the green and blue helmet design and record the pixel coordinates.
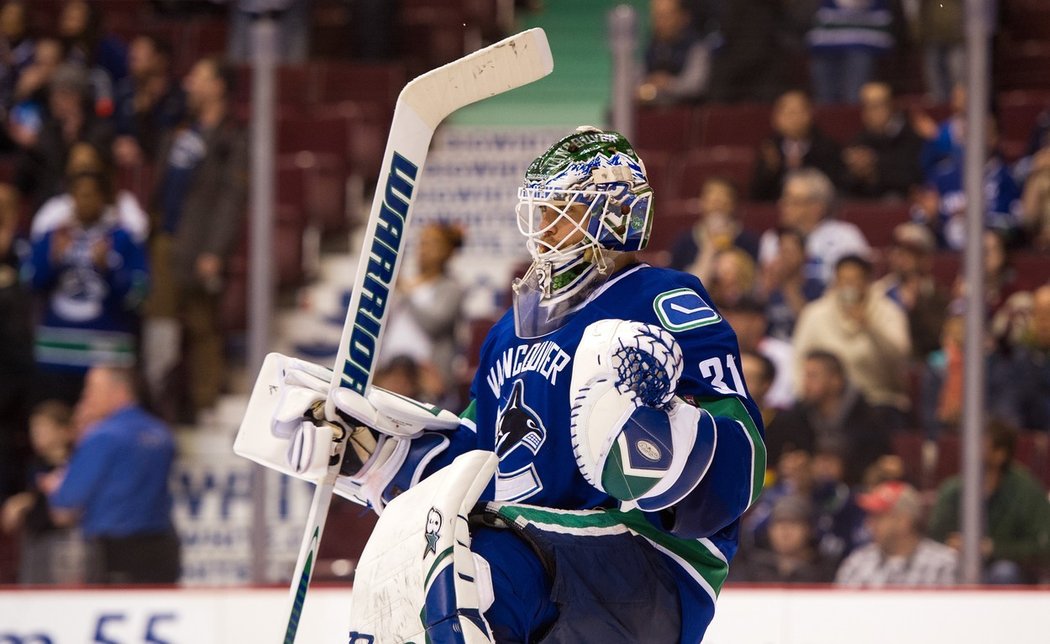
(587, 197)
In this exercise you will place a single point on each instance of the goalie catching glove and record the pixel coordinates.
(632, 437)
(391, 438)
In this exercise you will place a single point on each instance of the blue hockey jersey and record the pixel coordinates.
(91, 311)
(521, 407)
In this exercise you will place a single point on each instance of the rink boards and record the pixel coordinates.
(755, 616)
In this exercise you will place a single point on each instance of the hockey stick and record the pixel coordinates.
(421, 106)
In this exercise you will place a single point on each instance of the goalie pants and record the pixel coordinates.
(559, 588)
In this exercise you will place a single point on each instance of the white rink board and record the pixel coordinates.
(187, 616)
(767, 616)
(775, 616)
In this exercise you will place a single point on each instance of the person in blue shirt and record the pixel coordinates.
(116, 484)
(1002, 195)
(612, 395)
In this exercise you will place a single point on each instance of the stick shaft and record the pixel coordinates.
(421, 106)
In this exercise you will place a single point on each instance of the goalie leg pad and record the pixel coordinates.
(417, 579)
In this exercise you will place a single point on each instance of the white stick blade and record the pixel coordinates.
(421, 106)
(500, 67)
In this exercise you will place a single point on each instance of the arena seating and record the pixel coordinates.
(876, 219)
(669, 128)
(738, 125)
(735, 163)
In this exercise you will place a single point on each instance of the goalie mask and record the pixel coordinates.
(583, 201)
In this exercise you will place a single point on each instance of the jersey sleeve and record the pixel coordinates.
(712, 380)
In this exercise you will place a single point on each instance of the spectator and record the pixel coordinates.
(837, 521)
(899, 555)
(148, 102)
(717, 228)
(58, 211)
(806, 206)
(42, 171)
(942, 379)
(432, 303)
(199, 205)
(791, 557)
(1026, 401)
(732, 277)
(1001, 196)
(845, 42)
(867, 331)
(1017, 514)
(116, 484)
(749, 63)
(49, 554)
(909, 282)
(789, 289)
(944, 139)
(747, 317)
(759, 374)
(16, 344)
(1000, 277)
(938, 28)
(796, 143)
(16, 49)
(1035, 203)
(883, 160)
(831, 417)
(105, 57)
(677, 60)
(29, 101)
(92, 276)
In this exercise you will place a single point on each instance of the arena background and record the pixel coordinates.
(331, 115)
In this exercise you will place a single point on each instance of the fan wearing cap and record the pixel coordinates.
(899, 554)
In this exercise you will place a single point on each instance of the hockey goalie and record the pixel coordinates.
(591, 490)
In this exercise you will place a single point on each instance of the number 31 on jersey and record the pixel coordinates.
(724, 375)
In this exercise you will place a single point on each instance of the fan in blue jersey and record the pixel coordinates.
(627, 444)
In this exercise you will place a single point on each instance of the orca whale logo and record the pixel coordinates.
(518, 425)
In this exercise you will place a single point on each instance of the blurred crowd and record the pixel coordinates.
(108, 299)
(123, 183)
(746, 50)
(854, 351)
(110, 325)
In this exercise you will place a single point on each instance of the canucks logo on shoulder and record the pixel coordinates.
(518, 426)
